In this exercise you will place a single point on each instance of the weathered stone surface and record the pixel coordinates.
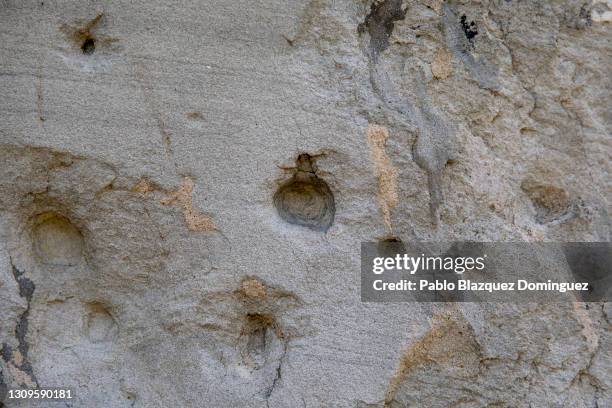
(155, 249)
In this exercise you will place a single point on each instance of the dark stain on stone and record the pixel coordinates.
(579, 19)
(26, 286)
(379, 23)
(6, 353)
(469, 29)
(585, 15)
(3, 389)
(21, 330)
(26, 290)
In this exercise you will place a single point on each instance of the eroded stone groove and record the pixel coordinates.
(433, 141)
(379, 23)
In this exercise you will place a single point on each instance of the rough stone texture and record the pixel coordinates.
(144, 263)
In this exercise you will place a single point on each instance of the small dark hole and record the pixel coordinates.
(89, 46)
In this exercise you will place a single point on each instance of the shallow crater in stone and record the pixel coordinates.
(56, 240)
(306, 200)
(100, 324)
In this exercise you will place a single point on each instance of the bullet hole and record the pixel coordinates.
(306, 199)
(56, 241)
(83, 36)
(262, 334)
(469, 29)
(89, 46)
(100, 326)
(550, 202)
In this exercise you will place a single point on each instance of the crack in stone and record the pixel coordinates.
(19, 358)
(278, 373)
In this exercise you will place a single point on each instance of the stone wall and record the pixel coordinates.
(184, 187)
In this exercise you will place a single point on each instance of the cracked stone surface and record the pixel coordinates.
(144, 259)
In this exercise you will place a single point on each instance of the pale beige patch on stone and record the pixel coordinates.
(385, 172)
(195, 220)
(17, 357)
(441, 66)
(547, 196)
(143, 187)
(252, 288)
